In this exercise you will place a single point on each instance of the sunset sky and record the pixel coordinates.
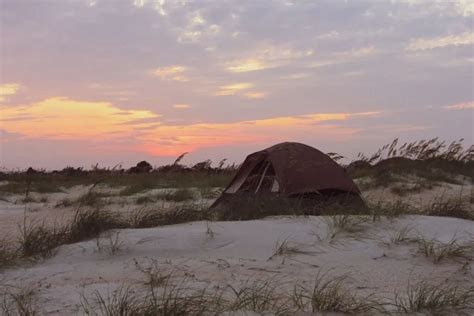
(119, 81)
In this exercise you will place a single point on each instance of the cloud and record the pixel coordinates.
(466, 38)
(171, 140)
(465, 7)
(460, 7)
(157, 5)
(7, 90)
(63, 118)
(175, 73)
(233, 89)
(266, 57)
(255, 95)
(328, 62)
(196, 28)
(296, 76)
(345, 56)
(460, 106)
(359, 52)
(181, 106)
(248, 65)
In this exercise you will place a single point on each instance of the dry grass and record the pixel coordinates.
(123, 301)
(330, 294)
(145, 218)
(140, 186)
(260, 296)
(403, 235)
(404, 189)
(438, 251)
(179, 195)
(168, 299)
(90, 223)
(449, 207)
(425, 149)
(345, 226)
(288, 248)
(9, 255)
(16, 300)
(163, 295)
(110, 243)
(39, 240)
(155, 277)
(439, 299)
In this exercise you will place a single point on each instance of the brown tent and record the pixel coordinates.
(290, 170)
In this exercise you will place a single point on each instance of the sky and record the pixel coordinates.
(119, 81)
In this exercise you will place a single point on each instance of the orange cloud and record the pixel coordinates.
(171, 140)
(175, 73)
(248, 65)
(233, 88)
(181, 106)
(266, 57)
(255, 95)
(62, 118)
(7, 90)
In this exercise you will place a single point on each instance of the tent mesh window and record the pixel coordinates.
(261, 179)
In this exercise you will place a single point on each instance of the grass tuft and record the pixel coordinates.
(449, 207)
(440, 298)
(90, 223)
(110, 243)
(349, 226)
(438, 251)
(8, 253)
(16, 300)
(330, 294)
(145, 218)
(260, 296)
(403, 235)
(287, 248)
(39, 241)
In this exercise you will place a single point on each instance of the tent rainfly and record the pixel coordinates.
(291, 170)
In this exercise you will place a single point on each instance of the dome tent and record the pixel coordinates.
(290, 170)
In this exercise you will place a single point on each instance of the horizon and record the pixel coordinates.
(85, 82)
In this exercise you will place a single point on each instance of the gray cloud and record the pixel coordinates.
(107, 50)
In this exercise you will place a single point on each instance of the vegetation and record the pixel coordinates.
(434, 298)
(110, 243)
(178, 195)
(166, 294)
(332, 295)
(166, 297)
(438, 251)
(16, 300)
(287, 248)
(414, 167)
(328, 294)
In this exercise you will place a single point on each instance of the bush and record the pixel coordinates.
(38, 241)
(90, 223)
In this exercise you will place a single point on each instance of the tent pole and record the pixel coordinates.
(263, 175)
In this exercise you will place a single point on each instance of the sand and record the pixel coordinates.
(219, 254)
(241, 251)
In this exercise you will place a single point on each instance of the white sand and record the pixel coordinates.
(240, 251)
